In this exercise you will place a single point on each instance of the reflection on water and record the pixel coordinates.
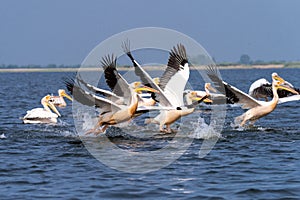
(51, 160)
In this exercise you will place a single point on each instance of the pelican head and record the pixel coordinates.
(62, 93)
(47, 103)
(192, 95)
(285, 87)
(136, 84)
(208, 87)
(156, 80)
(277, 78)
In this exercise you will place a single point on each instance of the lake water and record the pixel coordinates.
(51, 161)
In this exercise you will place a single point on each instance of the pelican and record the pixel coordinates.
(206, 92)
(111, 112)
(59, 100)
(257, 109)
(171, 86)
(262, 88)
(42, 115)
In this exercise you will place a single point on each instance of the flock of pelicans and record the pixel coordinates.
(166, 94)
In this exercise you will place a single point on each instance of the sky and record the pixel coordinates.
(65, 31)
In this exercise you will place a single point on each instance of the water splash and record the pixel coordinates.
(205, 131)
(2, 136)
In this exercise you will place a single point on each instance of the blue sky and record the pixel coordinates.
(65, 31)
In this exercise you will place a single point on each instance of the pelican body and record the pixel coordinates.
(42, 115)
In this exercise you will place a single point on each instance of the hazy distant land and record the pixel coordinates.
(75, 69)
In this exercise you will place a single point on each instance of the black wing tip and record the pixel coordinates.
(177, 56)
(126, 48)
(109, 61)
(69, 83)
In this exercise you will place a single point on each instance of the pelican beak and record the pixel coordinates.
(207, 100)
(67, 96)
(284, 87)
(53, 108)
(197, 98)
(145, 88)
(277, 78)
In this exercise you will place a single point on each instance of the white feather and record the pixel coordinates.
(176, 85)
(256, 84)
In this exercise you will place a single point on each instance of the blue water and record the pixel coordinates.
(50, 161)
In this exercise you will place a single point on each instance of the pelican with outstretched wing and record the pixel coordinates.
(262, 88)
(171, 86)
(111, 112)
(257, 109)
(42, 115)
(59, 100)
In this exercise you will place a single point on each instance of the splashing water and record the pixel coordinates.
(205, 131)
(2, 136)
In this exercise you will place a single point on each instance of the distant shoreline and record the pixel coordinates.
(150, 68)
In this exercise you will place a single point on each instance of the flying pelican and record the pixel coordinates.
(171, 85)
(59, 100)
(111, 112)
(42, 115)
(257, 109)
(262, 88)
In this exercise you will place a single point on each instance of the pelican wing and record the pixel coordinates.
(261, 87)
(89, 99)
(146, 78)
(289, 98)
(233, 94)
(110, 95)
(113, 79)
(176, 75)
(177, 60)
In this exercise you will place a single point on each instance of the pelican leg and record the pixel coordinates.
(95, 130)
(243, 122)
(168, 130)
(251, 123)
(161, 128)
(104, 128)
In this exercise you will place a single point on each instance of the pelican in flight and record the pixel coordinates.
(171, 86)
(42, 115)
(59, 100)
(257, 109)
(112, 113)
(262, 88)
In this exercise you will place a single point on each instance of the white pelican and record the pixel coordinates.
(59, 100)
(171, 85)
(42, 115)
(257, 109)
(262, 88)
(111, 112)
